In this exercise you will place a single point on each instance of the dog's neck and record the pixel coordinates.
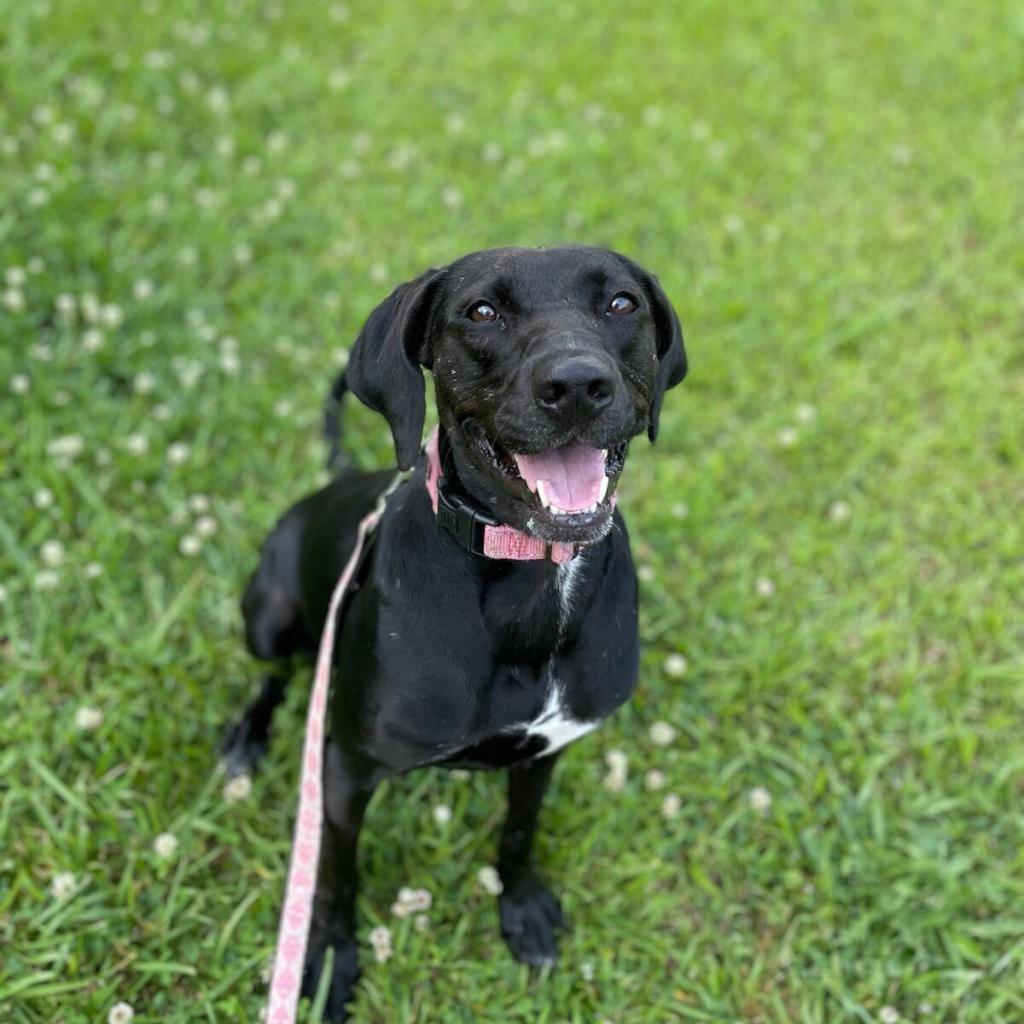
(474, 526)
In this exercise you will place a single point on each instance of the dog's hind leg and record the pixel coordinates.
(275, 634)
(246, 740)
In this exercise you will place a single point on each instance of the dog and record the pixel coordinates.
(494, 620)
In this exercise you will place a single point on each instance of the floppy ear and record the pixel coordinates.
(385, 367)
(670, 352)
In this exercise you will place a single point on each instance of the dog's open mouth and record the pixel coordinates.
(570, 480)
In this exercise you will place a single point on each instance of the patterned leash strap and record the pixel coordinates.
(293, 931)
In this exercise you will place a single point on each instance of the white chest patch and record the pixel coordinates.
(555, 724)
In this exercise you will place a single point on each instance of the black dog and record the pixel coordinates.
(546, 363)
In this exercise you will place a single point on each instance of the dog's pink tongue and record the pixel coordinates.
(572, 475)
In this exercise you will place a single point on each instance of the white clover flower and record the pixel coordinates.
(451, 197)
(380, 939)
(759, 799)
(733, 224)
(52, 553)
(199, 503)
(43, 498)
(771, 234)
(764, 587)
(283, 407)
(421, 922)
(350, 168)
(654, 780)
(217, 99)
(492, 152)
(20, 383)
(652, 116)
(15, 276)
(888, 1015)
(902, 155)
(88, 718)
(671, 806)
(38, 197)
(188, 256)
(676, 666)
(120, 1013)
(62, 885)
(190, 545)
(14, 300)
(41, 351)
(3, 593)
(338, 79)
(230, 363)
(338, 13)
(165, 845)
(442, 814)
(177, 453)
(206, 526)
(93, 570)
(237, 788)
(242, 254)
(225, 146)
(700, 130)
(662, 734)
(92, 340)
(490, 880)
(66, 447)
(111, 315)
(839, 511)
(161, 412)
(277, 142)
(787, 437)
(646, 574)
(89, 307)
(455, 124)
(143, 288)
(460, 774)
(378, 273)
(805, 412)
(47, 580)
(618, 765)
(137, 444)
(411, 901)
(143, 383)
(286, 188)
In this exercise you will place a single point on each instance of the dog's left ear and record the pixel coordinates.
(669, 334)
(385, 367)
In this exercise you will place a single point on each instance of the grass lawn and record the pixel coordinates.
(201, 202)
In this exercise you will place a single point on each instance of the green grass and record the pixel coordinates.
(832, 195)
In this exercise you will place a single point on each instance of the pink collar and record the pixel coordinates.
(477, 531)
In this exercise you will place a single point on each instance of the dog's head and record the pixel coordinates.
(546, 363)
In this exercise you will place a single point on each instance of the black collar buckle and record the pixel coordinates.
(465, 521)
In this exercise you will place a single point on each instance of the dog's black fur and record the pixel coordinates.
(444, 657)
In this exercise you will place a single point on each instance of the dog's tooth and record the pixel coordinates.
(604, 489)
(543, 494)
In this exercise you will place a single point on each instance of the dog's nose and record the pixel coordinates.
(575, 387)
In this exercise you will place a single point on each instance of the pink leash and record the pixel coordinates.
(293, 931)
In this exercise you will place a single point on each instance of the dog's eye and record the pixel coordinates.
(622, 304)
(482, 312)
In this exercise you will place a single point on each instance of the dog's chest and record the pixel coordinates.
(555, 724)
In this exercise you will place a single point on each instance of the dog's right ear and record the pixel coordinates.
(385, 367)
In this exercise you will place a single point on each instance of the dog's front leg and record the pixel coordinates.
(346, 794)
(530, 915)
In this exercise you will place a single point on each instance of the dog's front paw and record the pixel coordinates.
(344, 975)
(531, 918)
